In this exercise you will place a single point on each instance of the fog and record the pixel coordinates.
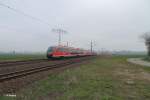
(110, 24)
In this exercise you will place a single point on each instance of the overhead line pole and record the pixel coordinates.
(59, 31)
(91, 46)
(59, 41)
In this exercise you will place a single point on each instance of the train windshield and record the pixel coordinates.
(50, 49)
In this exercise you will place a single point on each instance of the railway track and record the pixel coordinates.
(13, 63)
(25, 72)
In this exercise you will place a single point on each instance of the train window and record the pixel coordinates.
(61, 49)
(66, 50)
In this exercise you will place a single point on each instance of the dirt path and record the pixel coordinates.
(139, 61)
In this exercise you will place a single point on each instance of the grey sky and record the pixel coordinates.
(112, 24)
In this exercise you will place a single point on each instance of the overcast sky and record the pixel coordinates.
(111, 24)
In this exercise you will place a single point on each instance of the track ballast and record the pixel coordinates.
(25, 72)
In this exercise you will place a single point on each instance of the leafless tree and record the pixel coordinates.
(146, 37)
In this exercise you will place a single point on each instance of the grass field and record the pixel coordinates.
(104, 78)
(14, 57)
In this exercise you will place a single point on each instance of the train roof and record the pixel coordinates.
(60, 46)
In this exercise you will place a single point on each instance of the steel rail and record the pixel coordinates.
(16, 74)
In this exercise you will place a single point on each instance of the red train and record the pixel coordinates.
(64, 51)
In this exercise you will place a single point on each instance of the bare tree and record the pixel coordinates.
(146, 37)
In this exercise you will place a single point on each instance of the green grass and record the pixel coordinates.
(7, 98)
(14, 57)
(105, 78)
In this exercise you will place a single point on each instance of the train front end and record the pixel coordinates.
(50, 52)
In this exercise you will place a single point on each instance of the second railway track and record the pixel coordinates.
(25, 72)
(13, 63)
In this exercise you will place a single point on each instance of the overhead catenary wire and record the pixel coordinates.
(24, 14)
